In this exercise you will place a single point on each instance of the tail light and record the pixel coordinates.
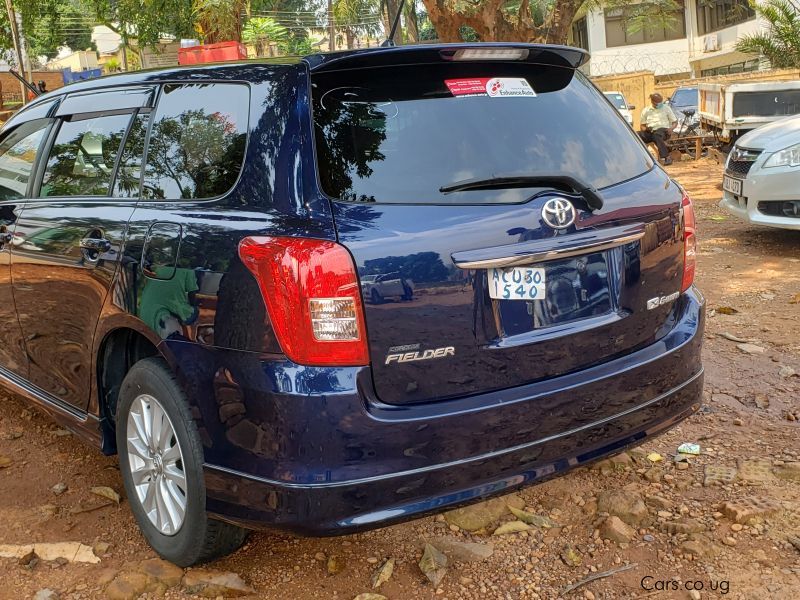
(689, 242)
(313, 298)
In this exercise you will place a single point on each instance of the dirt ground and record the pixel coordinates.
(750, 418)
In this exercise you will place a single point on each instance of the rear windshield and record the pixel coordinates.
(399, 134)
(685, 97)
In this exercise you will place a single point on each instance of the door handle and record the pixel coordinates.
(99, 245)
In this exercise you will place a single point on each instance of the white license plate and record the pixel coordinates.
(517, 283)
(734, 186)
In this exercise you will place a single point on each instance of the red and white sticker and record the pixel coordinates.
(494, 87)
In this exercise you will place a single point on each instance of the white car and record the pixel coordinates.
(377, 288)
(762, 176)
(619, 102)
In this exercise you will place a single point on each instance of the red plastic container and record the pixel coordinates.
(209, 53)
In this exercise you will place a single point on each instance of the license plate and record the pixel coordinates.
(517, 283)
(734, 186)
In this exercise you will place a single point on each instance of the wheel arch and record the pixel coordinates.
(120, 347)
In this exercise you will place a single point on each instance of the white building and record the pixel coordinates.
(701, 41)
(82, 60)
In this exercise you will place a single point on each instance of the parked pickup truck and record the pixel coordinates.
(377, 288)
(729, 110)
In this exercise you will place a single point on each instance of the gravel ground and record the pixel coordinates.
(725, 520)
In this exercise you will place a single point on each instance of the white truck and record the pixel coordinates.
(730, 109)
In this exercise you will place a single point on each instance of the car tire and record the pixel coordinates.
(375, 296)
(167, 469)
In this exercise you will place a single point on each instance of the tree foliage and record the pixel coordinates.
(263, 31)
(146, 20)
(536, 20)
(218, 20)
(502, 20)
(355, 18)
(47, 26)
(780, 43)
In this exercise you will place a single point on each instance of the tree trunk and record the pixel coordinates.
(411, 22)
(331, 28)
(560, 21)
(349, 37)
(493, 25)
(391, 13)
(445, 22)
(387, 22)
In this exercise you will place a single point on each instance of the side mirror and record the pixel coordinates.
(631, 107)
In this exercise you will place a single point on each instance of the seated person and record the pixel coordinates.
(657, 123)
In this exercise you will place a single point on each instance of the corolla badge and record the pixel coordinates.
(558, 213)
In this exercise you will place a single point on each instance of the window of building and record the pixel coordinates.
(83, 156)
(17, 157)
(197, 142)
(740, 67)
(713, 15)
(580, 34)
(618, 32)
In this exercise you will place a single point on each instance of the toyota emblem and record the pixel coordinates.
(558, 213)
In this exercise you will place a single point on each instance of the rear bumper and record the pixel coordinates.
(348, 507)
(337, 462)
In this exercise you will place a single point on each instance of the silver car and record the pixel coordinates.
(762, 176)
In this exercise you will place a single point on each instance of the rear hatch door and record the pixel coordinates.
(466, 178)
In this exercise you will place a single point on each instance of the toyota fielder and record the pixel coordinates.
(185, 254)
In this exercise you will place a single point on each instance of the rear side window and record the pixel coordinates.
(129, 172)
(775, 103)
(17, 157)
(197, 142)
(83, 156)
(399, 134)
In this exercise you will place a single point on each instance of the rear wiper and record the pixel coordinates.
(590, 195)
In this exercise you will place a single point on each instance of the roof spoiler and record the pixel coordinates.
(540, 54)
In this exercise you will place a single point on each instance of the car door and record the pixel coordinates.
(20, 146)
(70, 234)
(391, 285)
(178, 249)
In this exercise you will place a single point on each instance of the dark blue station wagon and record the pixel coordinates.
(333, 293)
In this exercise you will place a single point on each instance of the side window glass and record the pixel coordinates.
(197, 143)
(130, 162)
(18, 156)
(82, 159)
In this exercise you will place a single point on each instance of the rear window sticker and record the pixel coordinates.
(494, 87)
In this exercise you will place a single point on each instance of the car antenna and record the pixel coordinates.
(389, 42)
(30, 87)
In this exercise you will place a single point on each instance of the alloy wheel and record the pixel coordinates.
(156, 464)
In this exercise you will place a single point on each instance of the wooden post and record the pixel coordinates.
(698, 147)
(12, 19)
